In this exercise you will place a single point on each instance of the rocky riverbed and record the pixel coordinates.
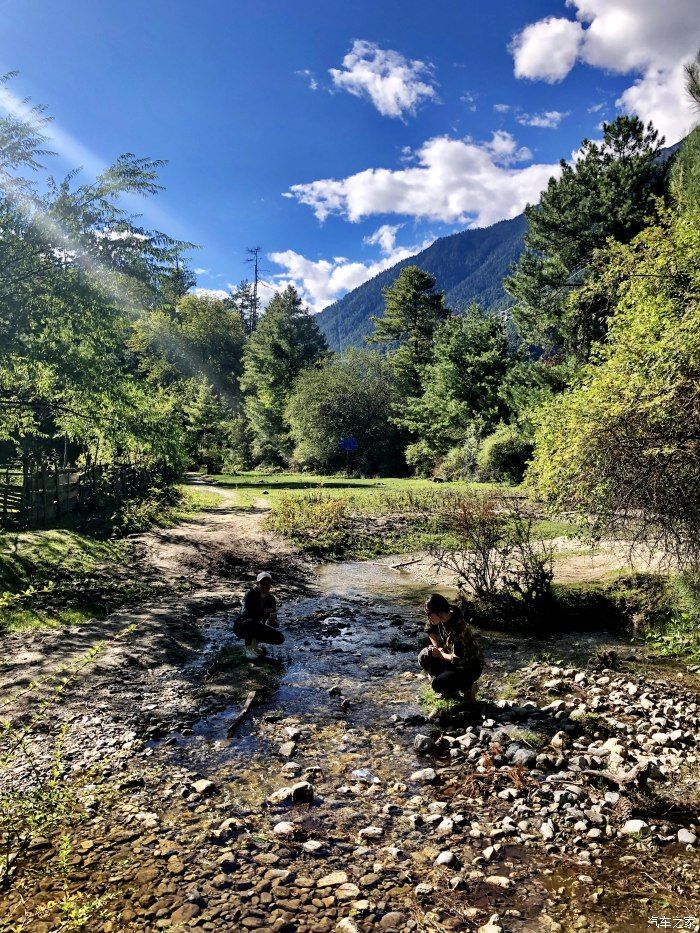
(568, 799)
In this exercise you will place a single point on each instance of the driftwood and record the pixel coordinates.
(641, 773)
(235, 723)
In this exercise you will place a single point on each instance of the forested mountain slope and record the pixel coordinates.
(468, 266)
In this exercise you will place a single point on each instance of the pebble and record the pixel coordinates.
(686, 837)
(204, 788)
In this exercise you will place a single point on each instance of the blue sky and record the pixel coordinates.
(341, 136)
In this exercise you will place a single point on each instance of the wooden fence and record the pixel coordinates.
(32, 495)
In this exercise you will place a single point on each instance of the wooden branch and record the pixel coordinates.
(235, 723)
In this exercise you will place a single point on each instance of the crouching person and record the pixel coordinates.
(257, 621)
(454, 659)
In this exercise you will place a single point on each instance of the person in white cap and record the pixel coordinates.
(258, 617)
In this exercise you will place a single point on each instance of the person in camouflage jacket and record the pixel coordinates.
(454, 659)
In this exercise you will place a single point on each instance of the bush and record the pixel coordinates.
(314, 522)
(496, 555)
(504, 455)
(460, 462)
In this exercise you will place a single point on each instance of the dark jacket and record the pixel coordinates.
(256, 607)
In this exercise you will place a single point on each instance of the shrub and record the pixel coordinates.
(314, 522)
(503, 455)
(494, 553)
(460, 462)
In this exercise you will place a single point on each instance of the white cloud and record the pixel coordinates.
(469, 98)
(200, 271)
(644, 37)
(547, 49)
(384, 237)
(394, 84)
(503, 149)
(550, 119)
(501, 108)
(211, 292)
(452, 180)
(320, 282)
(310, 78)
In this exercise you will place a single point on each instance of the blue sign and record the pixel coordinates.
(348, 444)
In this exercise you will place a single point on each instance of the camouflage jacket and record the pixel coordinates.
(456, 637)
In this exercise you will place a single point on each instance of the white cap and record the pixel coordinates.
(264, 575)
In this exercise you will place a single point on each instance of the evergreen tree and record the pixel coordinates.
(461, 388)
(412, 312)
(609, 192)
(286, 341)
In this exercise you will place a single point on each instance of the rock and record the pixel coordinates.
(284, 829)
(302, 792)
(333, 880)
(423, 744)
(185, 913)
(371, 832)
(524, 757)
(346, 925)
(686, 837)
(393, 921)
(287, 749)
(312, 846)
(205, 788)
(347, 892)
(498, 881)
(423, 889)
(334, 692)
(547, 830)
(283, 795)
(425, 776)
(635, 827)
(446, 858)
(492, 926)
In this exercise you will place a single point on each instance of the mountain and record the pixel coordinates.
(469, 267)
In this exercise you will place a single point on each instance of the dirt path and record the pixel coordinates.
(336, 805)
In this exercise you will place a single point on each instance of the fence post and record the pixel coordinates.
(57, 479)
(44, 491)
(5, 495)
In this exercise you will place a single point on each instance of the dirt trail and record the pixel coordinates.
(117, 664)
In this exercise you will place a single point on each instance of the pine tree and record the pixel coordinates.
(412, 312)
(609, 192)
(286, 340)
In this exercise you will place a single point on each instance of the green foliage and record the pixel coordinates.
(412, 313)
(623, 444)
(461, 387)
(459, 463)
(285, 342)
(347, 396)
(504, 454)
(678, 631)
(685, 173)
(609, 192)
(313, 522)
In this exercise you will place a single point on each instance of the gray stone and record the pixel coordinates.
(423, 744)
(686, 837)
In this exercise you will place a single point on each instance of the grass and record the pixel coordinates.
(68, 575)
(337, 516)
